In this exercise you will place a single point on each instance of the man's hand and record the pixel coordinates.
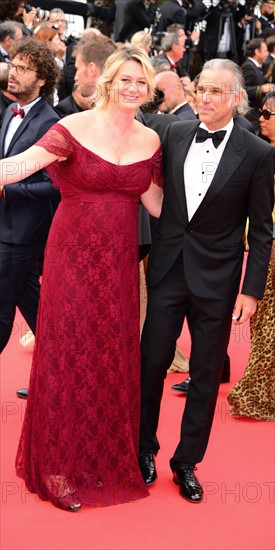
(245, 307)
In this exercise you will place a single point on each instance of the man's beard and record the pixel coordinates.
(23, 93)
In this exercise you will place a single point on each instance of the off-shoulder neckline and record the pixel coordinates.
(101, 158)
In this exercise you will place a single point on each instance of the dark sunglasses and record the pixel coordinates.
(266, 114)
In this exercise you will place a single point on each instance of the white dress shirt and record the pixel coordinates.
(200, 166)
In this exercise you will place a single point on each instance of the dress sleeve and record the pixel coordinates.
(156, 167)
(57, 140)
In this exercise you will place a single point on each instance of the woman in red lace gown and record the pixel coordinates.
(79, 443)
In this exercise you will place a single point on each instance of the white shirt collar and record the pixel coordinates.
(255, 62)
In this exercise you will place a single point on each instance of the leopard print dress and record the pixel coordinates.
(254, 394)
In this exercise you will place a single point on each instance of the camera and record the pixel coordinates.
(39, 12)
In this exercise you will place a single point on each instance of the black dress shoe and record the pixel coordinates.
(148, 467)
(183, 386)
(190, 487)
(23, 394)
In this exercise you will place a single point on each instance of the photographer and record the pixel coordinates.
(171, 11)
(219, 37)
(14, 10)
(182, 12)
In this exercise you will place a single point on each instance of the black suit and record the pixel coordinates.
(265, 23)
(131, 17)
(67, 107)
(157, 122)
(195, 268)
(179, 69)
(185, 112)
(171, 12)
(25, 216)
(253, 79)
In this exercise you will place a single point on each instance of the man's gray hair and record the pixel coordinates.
(8, 28)
(238, 80)
(168, 40)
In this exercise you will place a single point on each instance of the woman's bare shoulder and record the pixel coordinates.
(76, 120)
(150, 136)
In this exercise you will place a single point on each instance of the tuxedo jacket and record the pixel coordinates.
(131, 17)
(157, 122)
(67, 107)
(185, 112)
(253, 78)
(27, 210)
(211, 241)
(171, 12)
(180, 65)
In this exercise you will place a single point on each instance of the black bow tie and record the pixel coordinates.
(19, 112)
(217, 137)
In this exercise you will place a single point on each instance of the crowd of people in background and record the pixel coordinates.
(45, 76)
(177, 35)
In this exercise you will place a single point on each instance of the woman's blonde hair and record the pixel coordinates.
(112, 65)
(141, 39)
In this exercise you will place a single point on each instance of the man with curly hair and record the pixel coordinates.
(26, 208)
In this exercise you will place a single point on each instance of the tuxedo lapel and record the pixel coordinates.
(181, 149)
(25, 122)
(230, 162)
(7, 118)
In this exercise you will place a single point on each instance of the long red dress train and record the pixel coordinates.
(80, 435)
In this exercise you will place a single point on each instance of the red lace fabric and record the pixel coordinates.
(80, 435)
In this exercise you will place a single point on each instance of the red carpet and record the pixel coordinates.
(237, 474)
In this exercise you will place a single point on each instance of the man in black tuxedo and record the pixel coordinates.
(216, 176)
(26, 208)
(256, 84)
